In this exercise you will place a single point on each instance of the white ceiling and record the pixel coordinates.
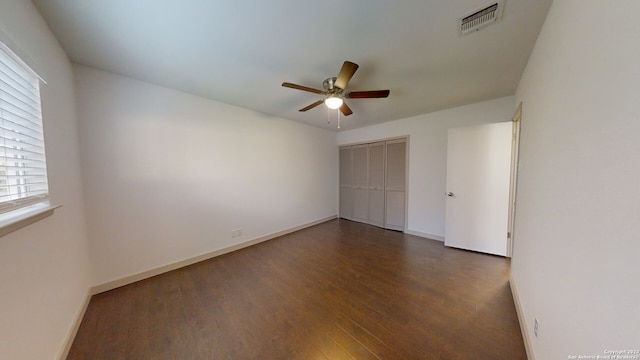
(240, 52)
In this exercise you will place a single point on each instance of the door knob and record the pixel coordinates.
(450, 194)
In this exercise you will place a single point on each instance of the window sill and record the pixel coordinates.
(14, 220)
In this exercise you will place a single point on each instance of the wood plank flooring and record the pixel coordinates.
(338, 290)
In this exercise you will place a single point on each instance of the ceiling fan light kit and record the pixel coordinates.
(333, 102)
(334, 90)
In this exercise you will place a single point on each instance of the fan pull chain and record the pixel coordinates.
(329, 116)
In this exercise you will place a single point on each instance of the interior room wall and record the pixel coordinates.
(428, 156)
(169, 176)
(44, 267)
(575, 264)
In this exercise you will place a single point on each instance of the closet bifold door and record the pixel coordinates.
(346, 175)
(396, 179)
(360, 183)
(376, 183)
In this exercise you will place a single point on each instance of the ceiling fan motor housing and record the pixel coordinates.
(330, 86)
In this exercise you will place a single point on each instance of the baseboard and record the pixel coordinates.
(521, 319)
(110, 285)
(71, 334)
(425, 235)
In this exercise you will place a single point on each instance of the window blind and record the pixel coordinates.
(23, 172)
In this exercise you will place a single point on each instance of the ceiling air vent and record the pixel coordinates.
(481, 18)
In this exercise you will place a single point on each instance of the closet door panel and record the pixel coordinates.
(376, 184)
(346, 175)
(361, 205)
(360, 166)
(376, 166)
(346, 203)
(395, 210)
(396, 165)
(376, 207)
(360, 183)
(395, 192)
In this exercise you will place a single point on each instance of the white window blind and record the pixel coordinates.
(23, 172)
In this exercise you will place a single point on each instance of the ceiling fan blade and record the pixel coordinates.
(368, 94)
(312, 105)
(345, 109)
(347, 71)
(300, 87)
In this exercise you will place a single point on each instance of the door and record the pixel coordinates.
(360, 183)
(396, 181)
(373, 180)
(376, 184)
(346, 193)
(478, 179)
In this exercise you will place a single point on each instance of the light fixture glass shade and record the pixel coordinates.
(333, 102)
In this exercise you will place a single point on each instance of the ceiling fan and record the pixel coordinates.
(335, 92)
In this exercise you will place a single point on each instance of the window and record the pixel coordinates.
(23, 171)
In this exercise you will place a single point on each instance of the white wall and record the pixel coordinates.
(169, 175)
(576, 263)
(44, 268)
(428, 156)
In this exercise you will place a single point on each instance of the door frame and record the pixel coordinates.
(513, 183)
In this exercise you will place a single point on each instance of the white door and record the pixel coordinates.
(376, 184)
(360, 183)
(395, 190)
(346, 192)
(478, 177)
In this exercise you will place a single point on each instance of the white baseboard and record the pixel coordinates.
(71, 334)
(425, 235)
(521, 319)
(110, 285)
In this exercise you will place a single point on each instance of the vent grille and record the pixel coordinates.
(479, 19)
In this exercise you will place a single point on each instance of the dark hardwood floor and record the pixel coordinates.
(338, 290)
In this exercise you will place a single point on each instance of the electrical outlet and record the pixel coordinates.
(236, 233)
(535, 327)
